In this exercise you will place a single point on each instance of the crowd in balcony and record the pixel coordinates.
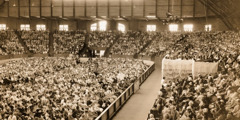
(36, 41)
(2, 52)
(203, 46)
(68, 41)
(101, 39)
(130, 43)
(10, 43)
(63, 88)
(160, 43)
(212, 96)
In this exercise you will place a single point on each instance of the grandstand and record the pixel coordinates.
(119, 59)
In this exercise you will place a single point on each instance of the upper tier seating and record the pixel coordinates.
(36, 41)
(68, 41)
(10, 43)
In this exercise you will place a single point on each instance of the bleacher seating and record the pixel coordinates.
(36, 41)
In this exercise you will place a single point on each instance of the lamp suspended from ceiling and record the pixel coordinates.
(172, 18)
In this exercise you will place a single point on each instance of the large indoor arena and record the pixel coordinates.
(119, 60)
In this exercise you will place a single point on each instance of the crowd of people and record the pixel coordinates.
(207, 97)
(202, 46)
(68, 41)
(130, 43)
(160, 43)
(63, 88)
(10, 43)
(101, 39)
(36, 41)
(2, 52)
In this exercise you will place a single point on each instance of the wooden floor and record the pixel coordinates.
(139, 105)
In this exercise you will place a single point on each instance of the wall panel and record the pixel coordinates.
(24, 8)
(102, 11)
(13, 11)
(174, 2)
(138, 2)
(91, 7)
(175, 10)
(162, 2)
(46, 3)
(35, 7)
(57, 11)
(150, 10)
(68, 11)
(138, 10)
(24, 11)
(187, 2)
(199, 9)
(35, 11)
(126, 7)
(79, 2)
(79, 11)
(46, 11)
(68, 3)
(57, 3)
(114, 11)
(114, 3)
(4, 11)
(91, 11)
(126, 11)
(187, 11)
(162, 11)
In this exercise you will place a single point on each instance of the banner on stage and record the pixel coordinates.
(176, 68)
(182, 68)
(204, 68)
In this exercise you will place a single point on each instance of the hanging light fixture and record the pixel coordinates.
(14, 4)
(171, 18)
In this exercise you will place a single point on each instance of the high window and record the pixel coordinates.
(173, 27)
(3, 27)
(151, 28)
(103, 25)
(24, 27)
(208, 27)
(121, 27)
(63, 27)
(188, 28)
(93, 27)
(41, 27)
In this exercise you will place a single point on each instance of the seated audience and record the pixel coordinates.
(60, 88)
(36, 41)
(10, 42)
(68, 41)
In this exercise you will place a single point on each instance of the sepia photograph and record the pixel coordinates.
(119, 60)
